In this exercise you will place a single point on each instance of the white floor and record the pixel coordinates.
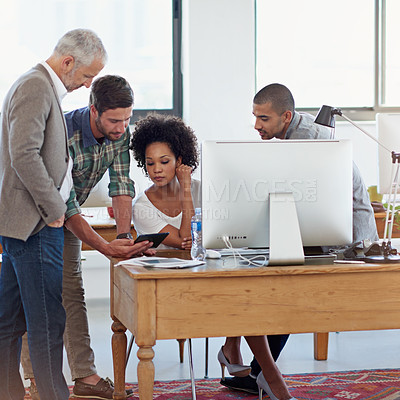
(347, 350)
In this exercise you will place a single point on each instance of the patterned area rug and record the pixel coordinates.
(349, 385)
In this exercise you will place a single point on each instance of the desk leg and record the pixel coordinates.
(321, 346)
(118, 343)
(145, 372)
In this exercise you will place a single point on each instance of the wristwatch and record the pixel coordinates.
(126, 235)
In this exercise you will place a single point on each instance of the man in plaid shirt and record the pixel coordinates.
(98, 141)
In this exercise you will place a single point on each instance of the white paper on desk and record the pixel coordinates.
(161, 262)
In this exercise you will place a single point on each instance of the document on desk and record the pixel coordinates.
(161, 262)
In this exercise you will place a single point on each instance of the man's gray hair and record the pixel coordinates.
(82, 44)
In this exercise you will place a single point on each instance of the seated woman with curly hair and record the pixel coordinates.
(166, 149)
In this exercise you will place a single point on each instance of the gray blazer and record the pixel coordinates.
(33, 156)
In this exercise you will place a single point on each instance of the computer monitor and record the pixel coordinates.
(238, 178)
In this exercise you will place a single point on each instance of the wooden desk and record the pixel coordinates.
(159, 304)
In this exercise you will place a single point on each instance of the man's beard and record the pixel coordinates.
(108, 135)
(69, 81)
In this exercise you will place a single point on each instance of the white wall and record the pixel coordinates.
(218, 67)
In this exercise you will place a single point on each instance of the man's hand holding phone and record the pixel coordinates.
(127, 248)
(156, 238)
(143, 245)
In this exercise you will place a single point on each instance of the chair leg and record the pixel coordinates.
(181, 349)
(128, 353)
(191, 369)
(206, 359)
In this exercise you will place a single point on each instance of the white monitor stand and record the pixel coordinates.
(285, 244)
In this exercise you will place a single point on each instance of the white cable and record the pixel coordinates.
(236, 253)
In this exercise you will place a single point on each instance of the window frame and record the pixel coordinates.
(177, 90)
(364, 113)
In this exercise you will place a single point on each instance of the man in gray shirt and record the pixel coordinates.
(273, 107)
(276, 118)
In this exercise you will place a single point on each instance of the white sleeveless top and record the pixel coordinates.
(149, 219)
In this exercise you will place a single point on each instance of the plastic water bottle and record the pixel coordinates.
(198, 252)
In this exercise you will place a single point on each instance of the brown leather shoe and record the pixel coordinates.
(34, 392)
(103, 390)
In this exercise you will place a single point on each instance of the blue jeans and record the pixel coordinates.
(76, 335)
(30, 300)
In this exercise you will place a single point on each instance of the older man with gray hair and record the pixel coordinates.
(35, 183)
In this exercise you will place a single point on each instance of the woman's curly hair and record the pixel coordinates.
(165, 129)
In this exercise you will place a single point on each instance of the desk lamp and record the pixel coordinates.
(326, 117)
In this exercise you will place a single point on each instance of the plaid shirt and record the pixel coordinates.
(92, 159)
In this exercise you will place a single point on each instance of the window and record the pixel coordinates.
(345, 54)
(391, 54)
(143, 45)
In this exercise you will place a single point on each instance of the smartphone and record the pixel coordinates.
(156, 238)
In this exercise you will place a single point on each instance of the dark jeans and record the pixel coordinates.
(76, 335)
(30, 300)
(276, 344)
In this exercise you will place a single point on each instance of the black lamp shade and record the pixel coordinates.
(326, 116)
